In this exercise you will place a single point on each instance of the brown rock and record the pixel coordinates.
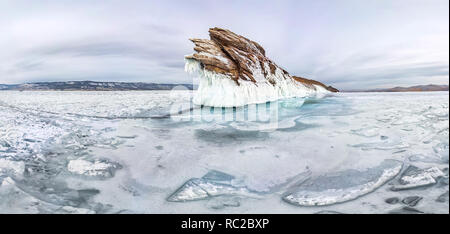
(309, 83)
(241, 59)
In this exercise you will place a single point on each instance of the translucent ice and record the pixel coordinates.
(342, 186)
(411, 201)
(97, 168)
(406, 210)
(74, 210)
(443, 197)
(414, 177)
(213, 184)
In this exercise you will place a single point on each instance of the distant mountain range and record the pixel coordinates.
(136, 86)
(417, 88)
(91, 86)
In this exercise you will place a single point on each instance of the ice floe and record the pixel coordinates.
(342, 186)
(41, 132)
(214, 183)
(14, 167)
(97, 168)
(414, 177)
(443, 197)
(406, 210)
(392, 200)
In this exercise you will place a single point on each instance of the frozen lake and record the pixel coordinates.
(136, 152)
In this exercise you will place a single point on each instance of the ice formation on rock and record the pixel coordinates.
(234, 71)
(342, 186)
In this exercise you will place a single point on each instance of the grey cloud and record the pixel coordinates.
(400, 72)
(347, 43)
(27, 65)
(411, 73)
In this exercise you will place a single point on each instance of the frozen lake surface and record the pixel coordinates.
(153, 152)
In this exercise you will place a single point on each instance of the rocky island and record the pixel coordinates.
(235, 71)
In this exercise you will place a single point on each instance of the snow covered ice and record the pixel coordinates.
(156, 152)
(342, 186)
(212, 184)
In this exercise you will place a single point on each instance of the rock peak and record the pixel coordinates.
(227, 55)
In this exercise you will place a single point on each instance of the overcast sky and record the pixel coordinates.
(348, 44)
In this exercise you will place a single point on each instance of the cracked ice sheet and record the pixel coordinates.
(165, 154)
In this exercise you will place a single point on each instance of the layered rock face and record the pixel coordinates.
(235, 71)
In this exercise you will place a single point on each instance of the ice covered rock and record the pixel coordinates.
(234, 71)
(213, 184)
(414, 177)
(97, 168)
(342, 186)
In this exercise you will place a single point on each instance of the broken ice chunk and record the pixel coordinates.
(97, 168)
(218, 176)
(392, 200)
(342, 186)
(214, 183)
(414, 177)
(406, 210)
(443, 197)
(385, 145)
(74, 210)
(9, 166)
(441, 149)
(412, 201)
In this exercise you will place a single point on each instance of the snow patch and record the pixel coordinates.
(96, 168)
(16, 167)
